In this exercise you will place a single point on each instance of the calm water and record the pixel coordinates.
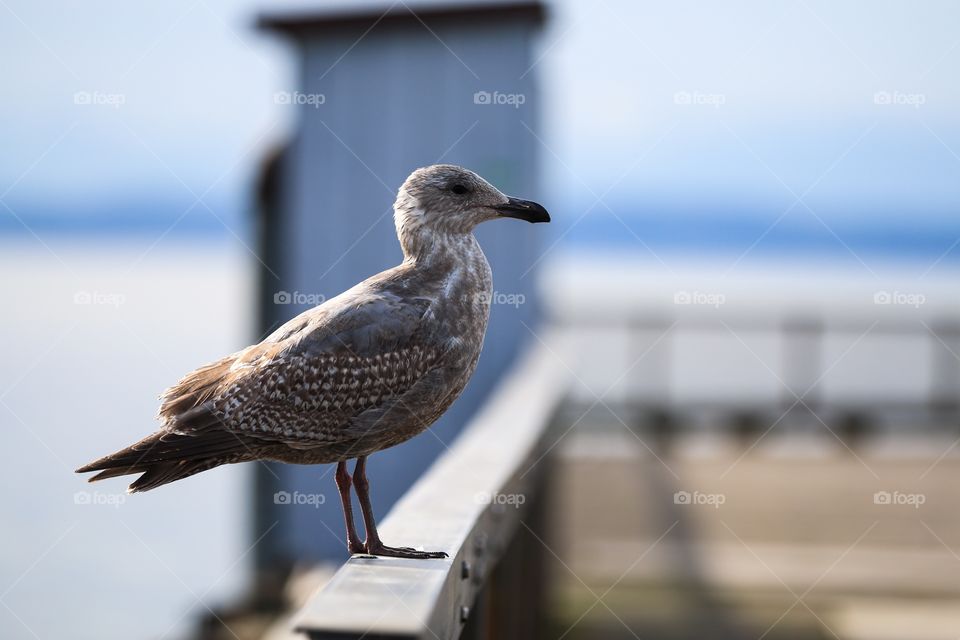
(91, 334)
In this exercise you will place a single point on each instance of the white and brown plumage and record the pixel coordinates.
(364, 371)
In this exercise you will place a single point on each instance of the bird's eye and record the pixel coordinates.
(459, 189)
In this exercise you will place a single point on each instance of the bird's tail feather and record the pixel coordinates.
(120, 471)
(163, 473)
(164, 457)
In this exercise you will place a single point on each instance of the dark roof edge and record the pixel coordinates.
(298, 21)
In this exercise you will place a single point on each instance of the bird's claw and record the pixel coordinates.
(382, 550)
(356, 547)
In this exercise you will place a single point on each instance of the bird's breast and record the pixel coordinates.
(461, 286)
(467, 292)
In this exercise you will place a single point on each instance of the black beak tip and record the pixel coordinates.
(523, 210)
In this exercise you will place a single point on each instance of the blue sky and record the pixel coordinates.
(795, 86)
(686, 107)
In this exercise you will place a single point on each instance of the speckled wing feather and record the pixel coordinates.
(311, 380)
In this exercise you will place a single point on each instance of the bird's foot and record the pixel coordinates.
(382, 550)
(355, 546)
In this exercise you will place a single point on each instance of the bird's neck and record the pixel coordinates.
(432, 248)
(454, 259)
(426, 244)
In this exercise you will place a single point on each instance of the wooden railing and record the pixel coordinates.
(482, 503)
(929, 396)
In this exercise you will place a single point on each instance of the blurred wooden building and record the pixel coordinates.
(383, 89)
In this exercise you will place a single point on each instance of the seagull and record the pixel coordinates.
(364, 371)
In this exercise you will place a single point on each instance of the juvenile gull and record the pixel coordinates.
(364, 371)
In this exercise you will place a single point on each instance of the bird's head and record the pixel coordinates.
(446, 198)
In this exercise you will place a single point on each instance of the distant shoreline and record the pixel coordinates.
(706, 235)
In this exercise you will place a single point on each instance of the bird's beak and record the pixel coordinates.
(522, 210)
